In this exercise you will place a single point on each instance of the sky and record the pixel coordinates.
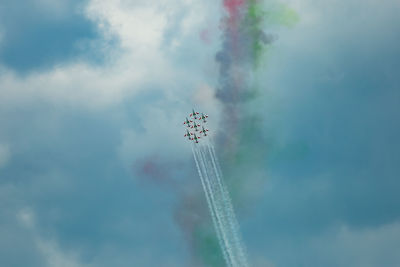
(94, 170)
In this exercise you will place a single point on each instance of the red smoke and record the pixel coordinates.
(233, 5)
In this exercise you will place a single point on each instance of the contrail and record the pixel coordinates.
(226, 200)
(210, 178)
(217, 196)
(211, 206)
(220, 205)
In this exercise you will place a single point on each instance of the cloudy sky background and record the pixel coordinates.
(89, 87)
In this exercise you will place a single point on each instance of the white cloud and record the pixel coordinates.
(151, 141)
(359, 247)
(140, 29)
(142, 58)
(162, 128)
(79, 83)
(4, 155)
(50, 250)
(55, 256)
(345, 18)
(76, 84)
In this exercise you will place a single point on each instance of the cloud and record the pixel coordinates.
(77, 84)
(74, 126)
(340, 245)
(329, 104)
(156, 136)
(358, 247)
(137, 61)
(140, 28)
(330, 111)
(50, 35)
(50, 250)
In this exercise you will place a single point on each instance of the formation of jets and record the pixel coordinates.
(195, 125)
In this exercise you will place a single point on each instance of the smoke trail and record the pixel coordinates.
(218, 200)
(228, 208)
(223, 205)
(245, 43)
(221, 225)
(228, 204)
(217, 206)
(219, 203)
(211, 207)
(242, 146)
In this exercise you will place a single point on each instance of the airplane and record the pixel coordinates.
(187, 122)
(204, 131)
(195, 138)
(194, 113)
(203, 117)
(188, 134)
(195, 126)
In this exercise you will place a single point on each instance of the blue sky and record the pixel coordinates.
(90, 88)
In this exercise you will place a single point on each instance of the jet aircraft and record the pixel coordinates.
(204, 131)
(195, 126)
(187, 122)
(194, 114)
(203, 117)
(188, 134)
(195, 138)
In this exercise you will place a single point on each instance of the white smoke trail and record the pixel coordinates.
(215, 201)
(220, 205)
(211, 179)
(223, 204)
(211, 207)
(233, 223)
(223, 211)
